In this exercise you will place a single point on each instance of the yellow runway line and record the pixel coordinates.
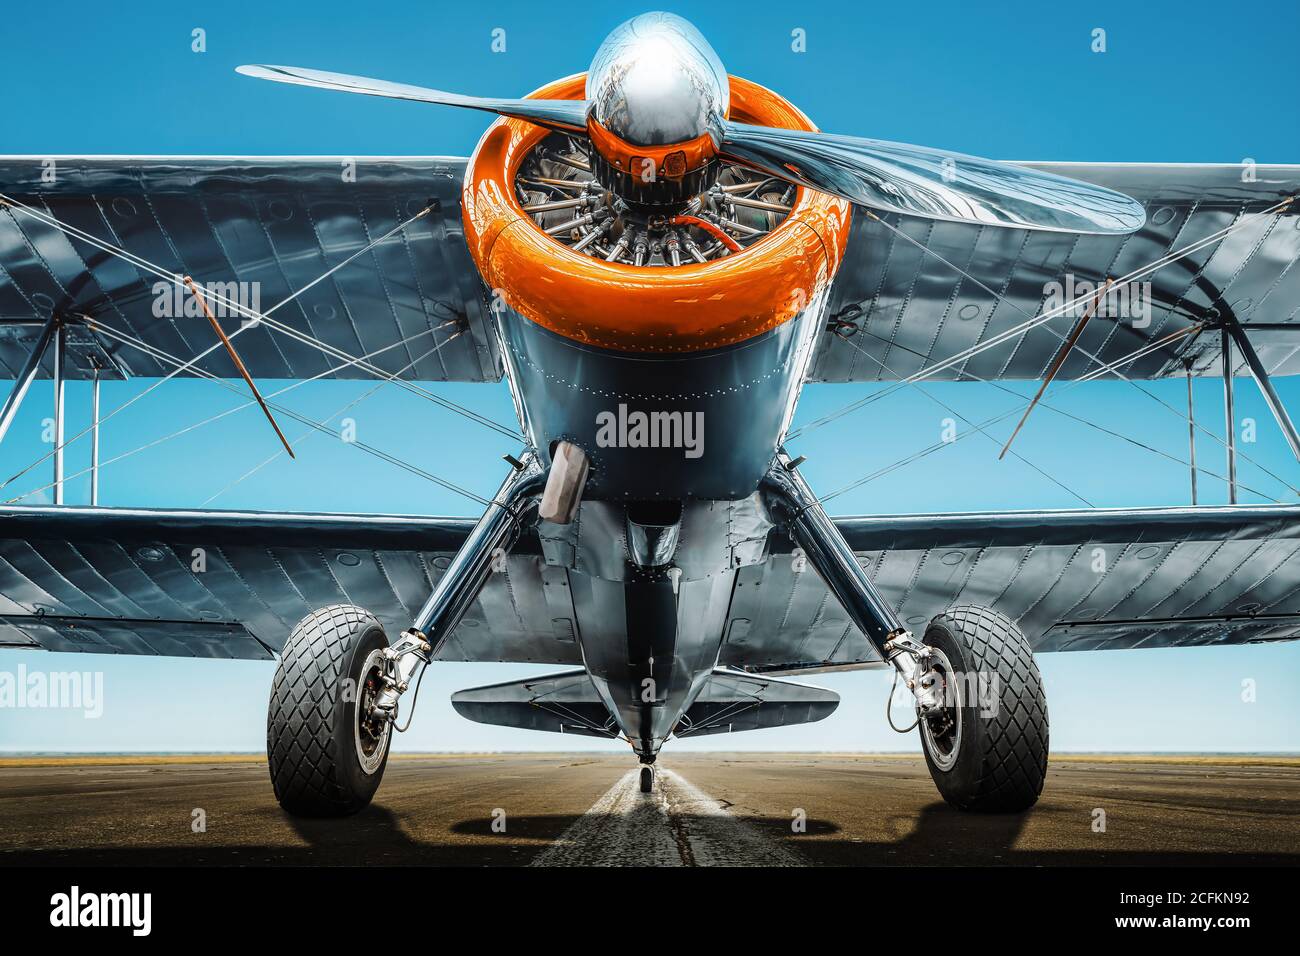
(1187, 760)
(106, 760)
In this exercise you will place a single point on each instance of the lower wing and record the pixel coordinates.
(233, 584)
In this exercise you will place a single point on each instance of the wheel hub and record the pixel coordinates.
(941, 723)
(372, 727)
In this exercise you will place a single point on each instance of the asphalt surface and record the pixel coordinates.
(708, 809)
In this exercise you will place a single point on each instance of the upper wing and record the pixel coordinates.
(895, 308)
(1072, 580)
(269, 225)
(233, 584)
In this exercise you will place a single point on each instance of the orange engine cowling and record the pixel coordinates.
(630, 308)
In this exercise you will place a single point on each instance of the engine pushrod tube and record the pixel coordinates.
(793, 504)
(497, 530)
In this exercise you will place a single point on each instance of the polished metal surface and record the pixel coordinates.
(732, 701)
(740, 401)
(1171, 577)
(115, 580)
(727, 702)
(120, 581)
(596, 543)
(796, 509)
(896, 308)
(564, 703)
(655, 81)
(491, 539)
(892, 303)
(931, 183)
(652, 545)
(271, 226)
(558, 114)
(649, 646)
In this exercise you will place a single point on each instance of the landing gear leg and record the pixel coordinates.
(990, 758)
(493, 536)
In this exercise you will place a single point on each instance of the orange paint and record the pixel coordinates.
(647, 308)
(629, 158)
(714, 231)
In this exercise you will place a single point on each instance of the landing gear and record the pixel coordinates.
(986, 740)
(979, 697)
(326, 744)
(647, 779)
(334, 701)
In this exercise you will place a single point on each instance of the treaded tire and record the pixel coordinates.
(311, 743)
(1001, 761)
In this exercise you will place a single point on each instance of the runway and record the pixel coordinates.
(708, 809)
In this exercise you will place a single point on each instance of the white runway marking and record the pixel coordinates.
(676, 825)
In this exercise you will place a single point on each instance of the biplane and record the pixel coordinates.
(655, 256)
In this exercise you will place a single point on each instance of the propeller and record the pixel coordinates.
(918, 181)
(568, 115)
(893, 177)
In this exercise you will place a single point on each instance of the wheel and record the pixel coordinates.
(647, 779)
(988, 752)
(325, 758)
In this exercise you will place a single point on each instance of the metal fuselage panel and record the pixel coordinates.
(677, 426)
(650, 647)
(694, 427)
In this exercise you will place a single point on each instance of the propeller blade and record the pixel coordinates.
(917, 181)
(557, 114)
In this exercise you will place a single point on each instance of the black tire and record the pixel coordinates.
(313, 742)
(998, 761)
(647, 780)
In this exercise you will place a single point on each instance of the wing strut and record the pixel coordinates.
(1191, 427)
(1061, 356)
(1229, 414)
(1260, 374)
(239, 364)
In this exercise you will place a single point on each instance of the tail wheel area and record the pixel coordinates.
(647, 779)
(326, 749)
(986, 747)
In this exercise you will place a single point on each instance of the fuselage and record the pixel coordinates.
(678, 380)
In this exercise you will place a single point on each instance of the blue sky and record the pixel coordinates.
(1179, 82)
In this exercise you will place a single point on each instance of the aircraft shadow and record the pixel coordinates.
(938, 836)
